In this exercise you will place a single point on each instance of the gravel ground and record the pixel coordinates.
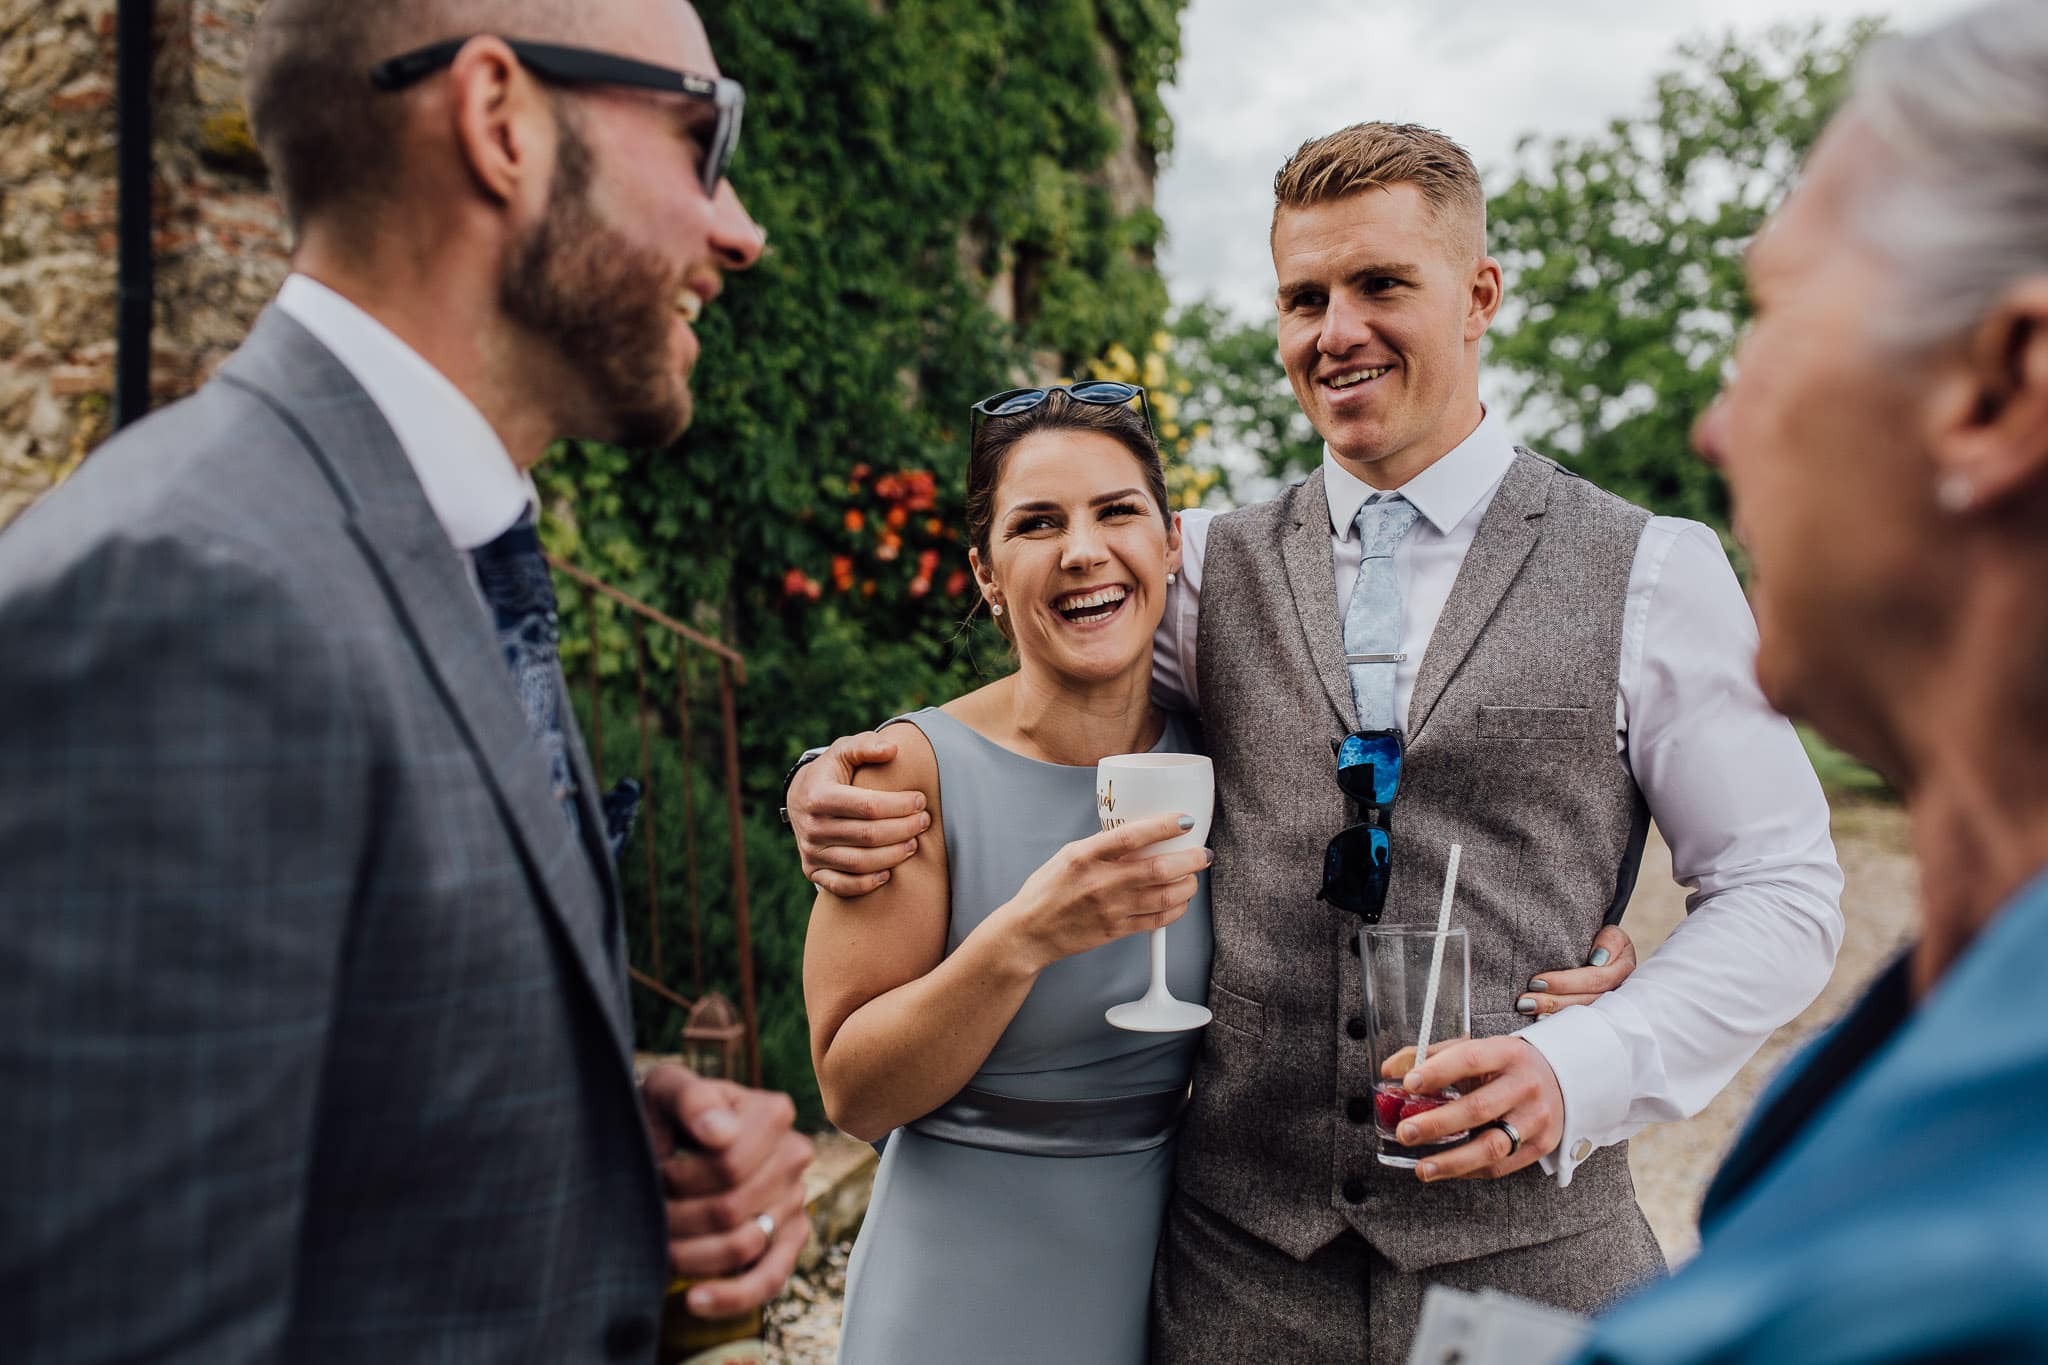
(1671, 1162)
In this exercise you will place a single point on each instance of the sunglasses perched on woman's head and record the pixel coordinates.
(584, 66)
(1357, 862)
(1105, 393)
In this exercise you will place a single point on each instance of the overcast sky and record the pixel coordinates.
(1257, 77)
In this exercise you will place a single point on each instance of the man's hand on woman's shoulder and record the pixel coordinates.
(851, 836)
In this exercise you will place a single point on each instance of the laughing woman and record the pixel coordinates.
(1018, 1205)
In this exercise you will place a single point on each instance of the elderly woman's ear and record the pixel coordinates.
(1990, 436)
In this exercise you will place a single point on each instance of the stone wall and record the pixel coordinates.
(220, 249)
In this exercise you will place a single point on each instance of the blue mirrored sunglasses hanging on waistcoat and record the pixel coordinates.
(1357, 862)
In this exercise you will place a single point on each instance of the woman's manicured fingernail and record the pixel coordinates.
(1600, 957)
(1526, 1005)
(1539, 984)
(1187, 822)
(1427, 1170)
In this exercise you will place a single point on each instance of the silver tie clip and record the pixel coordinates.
(1375, 658)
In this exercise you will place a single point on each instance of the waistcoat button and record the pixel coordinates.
(1355, 1026)
(1358, 1109)
(1354, 1191)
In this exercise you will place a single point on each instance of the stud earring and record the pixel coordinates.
(995, 609)
(1954, 493)
(1171, 578)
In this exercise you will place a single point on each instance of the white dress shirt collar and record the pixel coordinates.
(469, 478)
(1445, 493)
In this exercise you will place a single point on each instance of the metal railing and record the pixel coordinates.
(732, 671)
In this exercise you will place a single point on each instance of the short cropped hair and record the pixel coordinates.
(1377, 156)
(1961, 206)
(332, 140)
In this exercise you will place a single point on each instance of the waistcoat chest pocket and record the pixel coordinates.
(1535, 722)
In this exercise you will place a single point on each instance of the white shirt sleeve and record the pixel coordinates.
(1173, 647)
(1732, 792)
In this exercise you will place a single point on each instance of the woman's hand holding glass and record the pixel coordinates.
(1099, 889)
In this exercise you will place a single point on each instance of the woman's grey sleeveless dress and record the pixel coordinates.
(1018, 1222)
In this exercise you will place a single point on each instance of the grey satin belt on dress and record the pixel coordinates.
(1101, 1127)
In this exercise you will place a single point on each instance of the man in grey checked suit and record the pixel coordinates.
(314, 1042)
(1563, 666)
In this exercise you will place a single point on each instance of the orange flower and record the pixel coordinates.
(889, 488)
(860, 471)
(920, 586)
(896, 517)
(842, 572)
(855, 520)
(795, 583)
(928, 563)
(922, 490)
(934, 527)
(867, 589)
(891, 546)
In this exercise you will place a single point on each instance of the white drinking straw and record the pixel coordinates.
(1436, 956)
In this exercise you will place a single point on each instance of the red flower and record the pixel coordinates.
(891, 546)
(923, 490)
(842, 572)
(860, 471)
(855, 520)
(795, 583)
(920, 586)
(889, 488)
(957, 583)
(928, 562)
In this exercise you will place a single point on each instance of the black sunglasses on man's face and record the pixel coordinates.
(582, 66)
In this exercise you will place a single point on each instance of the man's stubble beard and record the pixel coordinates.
(604, 303)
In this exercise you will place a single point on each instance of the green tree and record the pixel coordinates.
(1623, 256)
(911, 160)
(1239, 400)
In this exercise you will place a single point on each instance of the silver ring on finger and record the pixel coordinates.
(765, 1222)
(1514, 1138)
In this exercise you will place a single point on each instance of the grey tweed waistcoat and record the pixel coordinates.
(1510, 753)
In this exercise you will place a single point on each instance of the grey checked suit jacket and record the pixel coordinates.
(313, 1031)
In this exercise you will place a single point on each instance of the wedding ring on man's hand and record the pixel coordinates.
(1514, 1138)
(765, 1222)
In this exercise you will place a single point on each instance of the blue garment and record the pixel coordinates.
(514, 577)
(1372, 618)
(1889, 1202)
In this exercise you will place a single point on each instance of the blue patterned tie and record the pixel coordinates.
(1372, 619)
(515, 581)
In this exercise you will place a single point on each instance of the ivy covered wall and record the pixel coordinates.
(958, 198)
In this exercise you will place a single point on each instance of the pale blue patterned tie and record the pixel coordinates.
(1372, 619)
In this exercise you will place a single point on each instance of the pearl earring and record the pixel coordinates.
(1954, 493)
(995, 609)
(1171, 578)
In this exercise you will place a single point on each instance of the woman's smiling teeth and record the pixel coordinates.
(1345, 381)
(1086, 608)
